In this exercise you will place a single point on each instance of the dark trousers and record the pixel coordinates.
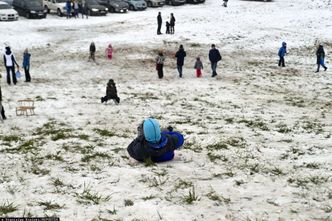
(27, 74)
(214, 68)
(12, 69)
(172, 29)
(160, 70)
(323, 65)
(180, 70)
(2, 111)
(281, 62)
(105, 99)
(158, 29)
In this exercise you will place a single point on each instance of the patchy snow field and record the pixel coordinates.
(258, 138)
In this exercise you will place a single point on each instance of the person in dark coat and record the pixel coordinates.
(320, 53)
(214, 57)
(281, 53)
(26, 65)
(10, 62)
(68, 8)
(111, 93)
(160, 64)
(180, 55)
(225, 3)
(92, 52)
(2, 110)
(159, 22)
(153, 144)
(167, 28)
(172, 23)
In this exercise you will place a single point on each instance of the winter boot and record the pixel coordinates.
(325, 68)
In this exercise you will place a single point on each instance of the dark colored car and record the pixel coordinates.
(30, 8)
(195, 1)
(115, 5)
(175, 2)
(92, 7)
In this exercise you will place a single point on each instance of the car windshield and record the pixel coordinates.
(34, 3)
(5, 6)
(92, 2)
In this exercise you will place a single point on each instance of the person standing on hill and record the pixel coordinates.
(172, 23)
(159, 22)
(160, 64)
(214, 57)
(26, 65)
(92, 52)
(10, 61)
(282, 52)
(198, 66)
(320, 53)
(180, 55)
(76, 7)
(2, 110)
(68, 8)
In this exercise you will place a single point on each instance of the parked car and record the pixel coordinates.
(94, 8)
(175, 2)
(155, 3)
(136, 4)
(9, 2)
(30, 8)
(195, 1)
(115, 5)
(7, 13)
(57, 6)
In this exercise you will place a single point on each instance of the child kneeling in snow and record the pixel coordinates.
(111, 93)
(151, 143)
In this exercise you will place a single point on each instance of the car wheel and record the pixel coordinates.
(58, 12)
(131, 7)
(47, 9)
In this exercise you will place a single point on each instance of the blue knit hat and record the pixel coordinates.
(151, 130)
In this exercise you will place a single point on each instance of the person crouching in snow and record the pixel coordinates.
(111, 93)
(153, 144)
(282, 52)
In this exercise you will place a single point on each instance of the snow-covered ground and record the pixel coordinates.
(258, 138)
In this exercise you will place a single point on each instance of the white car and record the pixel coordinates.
(58, 6)
(7, 13)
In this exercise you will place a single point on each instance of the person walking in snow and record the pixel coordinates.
(225, 3)
(68, 8)
(159, 22)
(180, 55)
(84, 9)
(172, 23)
(281, 53)
(92, 52)
(153, 144)
(320, 53)
(10, 61)
(76, 7)
(111, 93)
(214, 57)
(26, 65)
(160, 64)
(198, 66)
(2, 110)
(167, 27)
